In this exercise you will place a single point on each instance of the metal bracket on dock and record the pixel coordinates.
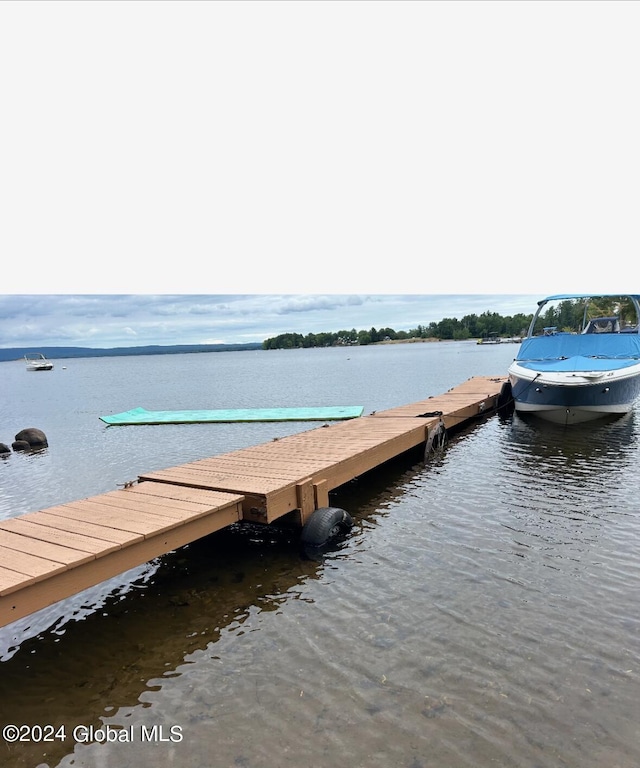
(127, 484)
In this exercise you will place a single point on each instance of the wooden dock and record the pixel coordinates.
(54, 553)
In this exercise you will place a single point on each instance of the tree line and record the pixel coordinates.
(567, 315)
(448, 329)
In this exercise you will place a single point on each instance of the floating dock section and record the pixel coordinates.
(140, 416)
(51, 554)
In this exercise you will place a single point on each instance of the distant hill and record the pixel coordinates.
(54, 353)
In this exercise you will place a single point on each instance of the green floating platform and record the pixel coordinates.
(137, 416)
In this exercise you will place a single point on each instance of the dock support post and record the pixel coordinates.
(306, 499)
(321, 491)
(310, 496)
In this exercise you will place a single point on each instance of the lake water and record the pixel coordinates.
(483, 611)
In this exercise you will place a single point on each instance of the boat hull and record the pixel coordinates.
(571, 397)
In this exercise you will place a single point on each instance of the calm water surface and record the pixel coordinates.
(483, 611)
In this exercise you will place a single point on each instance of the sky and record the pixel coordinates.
(193, 172)
(102, 321)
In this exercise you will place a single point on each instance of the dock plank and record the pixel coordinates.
(94, 529)
(10, 579)
(57, 535)
(44, 549)
(27, 564)
(144, 521)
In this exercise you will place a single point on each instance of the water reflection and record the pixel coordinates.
(604, 444)
(105, 662)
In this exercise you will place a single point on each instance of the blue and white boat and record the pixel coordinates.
(570, 371)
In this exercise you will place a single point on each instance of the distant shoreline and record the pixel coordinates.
(16, 354)
(413, 340)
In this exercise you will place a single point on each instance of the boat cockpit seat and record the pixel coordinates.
(603, 325)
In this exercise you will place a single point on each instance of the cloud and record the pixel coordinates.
(294, 304)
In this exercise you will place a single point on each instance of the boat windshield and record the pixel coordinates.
(593, 314)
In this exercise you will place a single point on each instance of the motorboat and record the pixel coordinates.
(580, 359)
(490, 338)
(36, 361)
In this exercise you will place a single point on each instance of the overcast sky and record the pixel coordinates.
(320, 154)
(134, 320)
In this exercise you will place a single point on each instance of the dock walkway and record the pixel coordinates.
(54, 553)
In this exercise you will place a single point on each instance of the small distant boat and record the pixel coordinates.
(36, 361)
(570, 376)
(490, 338)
